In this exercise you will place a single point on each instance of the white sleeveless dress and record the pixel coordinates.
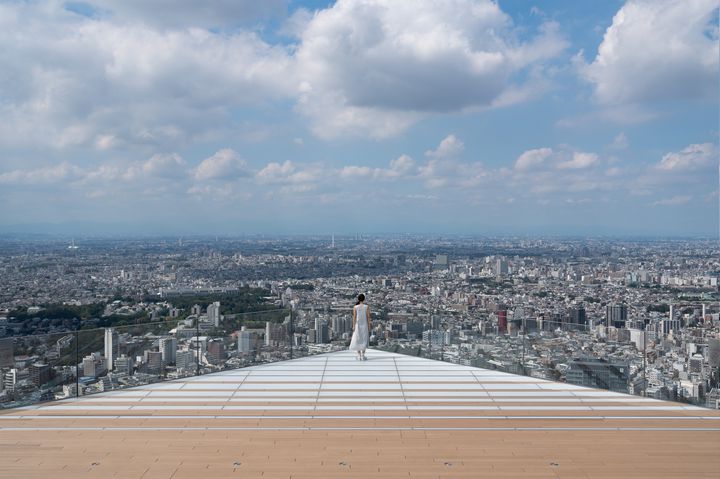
(361, 335)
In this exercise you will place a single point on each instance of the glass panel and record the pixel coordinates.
(37, 368)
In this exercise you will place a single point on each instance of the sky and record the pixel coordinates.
(560, 117)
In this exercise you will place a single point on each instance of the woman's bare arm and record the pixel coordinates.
(367, 315)
(354, 318)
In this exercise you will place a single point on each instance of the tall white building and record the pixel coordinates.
(89, 368)
(274, 333)
(213, 313)
(185, 359)
(10, 379)
(168, 348)
(110, 348)
(244, 341)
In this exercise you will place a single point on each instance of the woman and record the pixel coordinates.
(361, 328)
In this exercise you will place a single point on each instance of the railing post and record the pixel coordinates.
(77, 363)
(645, 362)
(197, 346)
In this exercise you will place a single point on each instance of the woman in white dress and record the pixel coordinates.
(361, 328)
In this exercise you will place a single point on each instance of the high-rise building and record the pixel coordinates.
(668, 325)
(89, 368)
(501, 267)
(110, 347)
(185, 360)
(245, 341)
(168, 347)
(153, 362)
(321, 331)
(616, 315)
(338, 326)
(441, 262)
(216, 351)
(714, 352)
(40, 373)
(11, 378)
(124, 365)
(577, 316)
(598, 373)
(434, 337)
(695, 363)
(274, 333)
(7, 354)
(435, 321)
(213, 313)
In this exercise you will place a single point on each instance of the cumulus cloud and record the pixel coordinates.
(400, 167)
(376, 66)
(693, 157)
(579, 161)
(694, 167)
(45, 175)
(70, 80)
(532, 158)
(450, 146)
(545, 171)
(444, 169)
(657, 50)
(287, 172)
(225, 164)
(165, 166)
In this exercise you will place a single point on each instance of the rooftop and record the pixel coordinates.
(332, 416)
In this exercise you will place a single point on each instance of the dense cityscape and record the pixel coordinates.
(87, 315)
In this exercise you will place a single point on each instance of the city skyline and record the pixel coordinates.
(285, 117)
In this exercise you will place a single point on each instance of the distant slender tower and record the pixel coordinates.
(109, 351)
(332, 245)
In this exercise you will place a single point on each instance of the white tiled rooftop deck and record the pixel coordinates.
(330, 415)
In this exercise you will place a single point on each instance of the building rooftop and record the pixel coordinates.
(331, 416)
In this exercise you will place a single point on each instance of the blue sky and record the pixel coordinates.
(460, 116)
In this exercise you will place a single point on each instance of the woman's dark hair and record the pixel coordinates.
(361, 298)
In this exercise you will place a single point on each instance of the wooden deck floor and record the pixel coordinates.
(331, 416)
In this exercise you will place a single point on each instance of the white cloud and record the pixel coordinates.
(450, 146)
(544, 171)
(532, 158)
(225, 164)
(443, 169)
(72, 81)
(693, 157)
(63, 172)
(674, 201)
(374, 67)
(657, 50)
(165, 166)
(129, 76)
(400, 167)
(288, 172)
(694, 168)
(579, 161)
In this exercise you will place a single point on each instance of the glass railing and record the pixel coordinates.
(88, 361)
(619, 360)
(49, 367)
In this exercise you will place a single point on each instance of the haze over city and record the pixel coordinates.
(564, 117)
